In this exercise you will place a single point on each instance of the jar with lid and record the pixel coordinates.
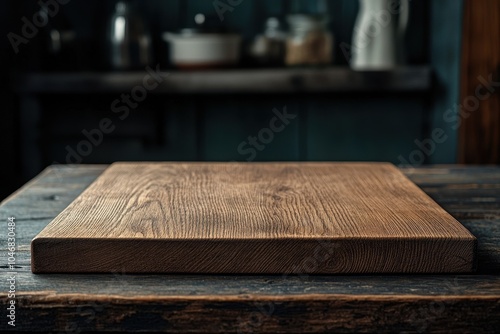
(268, 48)
(309, 41)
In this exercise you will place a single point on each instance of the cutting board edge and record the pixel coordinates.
(83, 256)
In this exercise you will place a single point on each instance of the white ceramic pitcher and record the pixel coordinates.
(378, 36)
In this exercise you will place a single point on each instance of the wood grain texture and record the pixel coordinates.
(253, 218)
(479, 118)
(217, 303)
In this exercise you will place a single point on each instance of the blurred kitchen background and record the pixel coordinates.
(247, 80)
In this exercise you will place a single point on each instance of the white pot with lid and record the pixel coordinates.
(199, 48)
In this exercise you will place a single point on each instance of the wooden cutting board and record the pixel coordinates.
(276, 218)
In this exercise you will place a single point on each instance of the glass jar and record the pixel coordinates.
(268, 49)
(309, 41)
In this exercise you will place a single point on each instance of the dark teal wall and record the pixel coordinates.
(445, 41)
(8, 125)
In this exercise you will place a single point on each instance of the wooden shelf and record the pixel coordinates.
(240, 81)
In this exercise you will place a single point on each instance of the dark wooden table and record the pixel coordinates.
(413, 303)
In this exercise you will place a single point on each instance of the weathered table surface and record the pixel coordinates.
(114, 301)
